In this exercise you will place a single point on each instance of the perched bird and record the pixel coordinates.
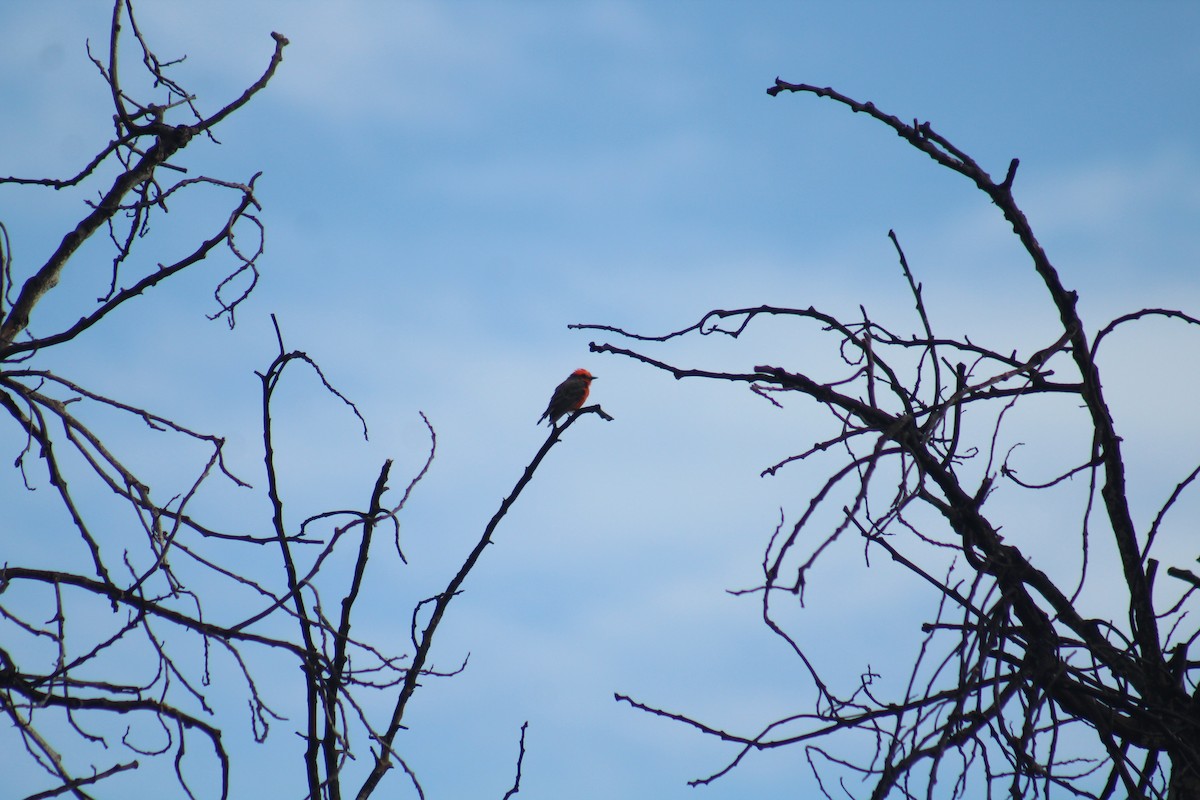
(569, 396)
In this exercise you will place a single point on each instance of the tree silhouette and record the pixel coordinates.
(111, 641)
(1023, 683)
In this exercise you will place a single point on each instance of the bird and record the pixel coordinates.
(568, 396)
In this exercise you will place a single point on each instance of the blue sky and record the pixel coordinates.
(446, 186)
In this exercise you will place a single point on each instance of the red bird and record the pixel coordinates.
(569, 396)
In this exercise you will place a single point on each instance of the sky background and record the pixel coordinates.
(447, 186)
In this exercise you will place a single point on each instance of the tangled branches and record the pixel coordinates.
(124, 637)
(1015, 684)
(70, 674)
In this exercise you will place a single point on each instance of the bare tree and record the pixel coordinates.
(59, 671)
(109, 643)
(1023, 683)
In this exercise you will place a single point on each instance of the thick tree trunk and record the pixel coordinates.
(1185, 779)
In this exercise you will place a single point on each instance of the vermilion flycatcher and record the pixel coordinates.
(569, 396)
